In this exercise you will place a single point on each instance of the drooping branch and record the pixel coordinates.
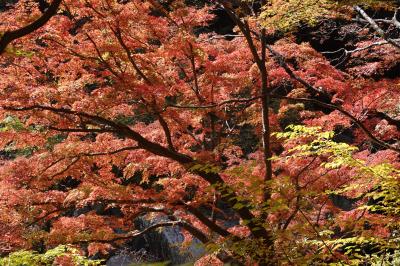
(314, 101)
(118, 34)
(10, 36)
(124, 130)
(222, 255)
(280, 59)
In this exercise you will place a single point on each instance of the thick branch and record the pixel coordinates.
(244, 28)
(167, 131)
(266, 132)
(10, 36)
(392, 21)
(210, 224)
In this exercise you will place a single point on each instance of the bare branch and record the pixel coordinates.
(395, 22)
(376, 27)
(392, 21)
(347, 52)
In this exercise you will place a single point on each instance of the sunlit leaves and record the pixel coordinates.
(376, 186)
(288, 14)
(60, 255)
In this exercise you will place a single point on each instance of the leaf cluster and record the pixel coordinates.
(27, 258)
(287, 15)
(383, 198)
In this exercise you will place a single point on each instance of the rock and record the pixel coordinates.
(164, 245)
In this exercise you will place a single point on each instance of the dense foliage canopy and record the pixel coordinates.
(267, 130)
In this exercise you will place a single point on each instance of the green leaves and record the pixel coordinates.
(28, 258)
(11, 123)
(319, 143)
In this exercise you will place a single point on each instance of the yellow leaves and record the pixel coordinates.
(75, 195)
(297, 131)
(11, 50)
(206, 168)
(321, 143)
(376, 181)
(287, 14)
(326, 233)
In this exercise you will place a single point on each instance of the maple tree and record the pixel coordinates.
(114, 110)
